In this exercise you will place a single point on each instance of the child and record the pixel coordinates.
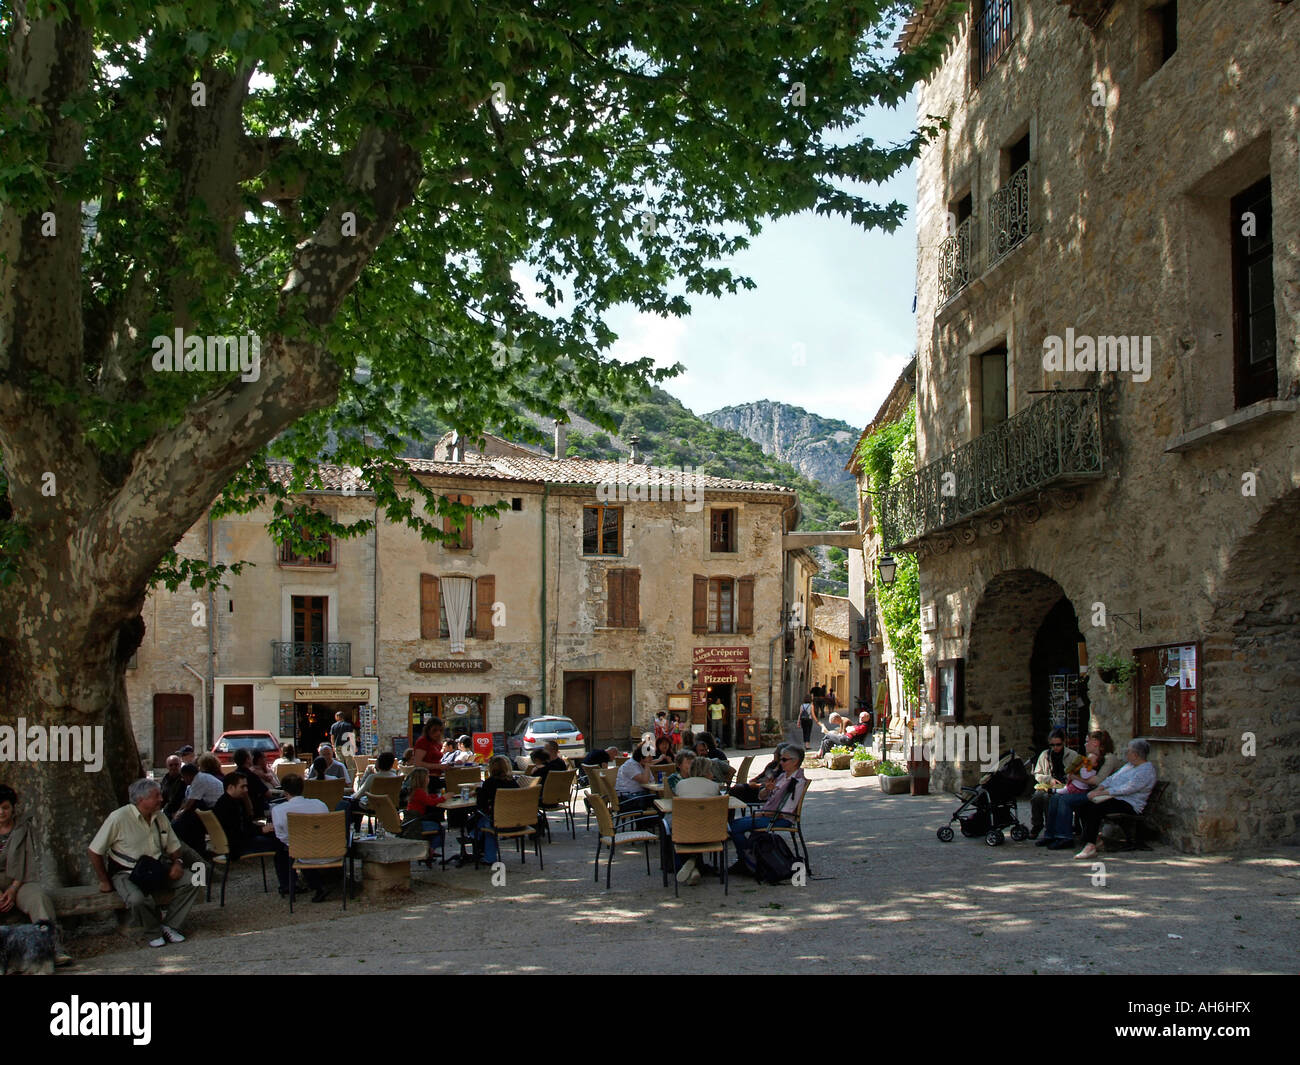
(1082, 772)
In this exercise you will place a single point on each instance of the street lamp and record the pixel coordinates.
(888, 567)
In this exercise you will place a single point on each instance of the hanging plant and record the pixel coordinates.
(1116, 669)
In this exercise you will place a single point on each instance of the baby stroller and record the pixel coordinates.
(990, 806)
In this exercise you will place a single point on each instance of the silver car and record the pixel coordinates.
(533, 733)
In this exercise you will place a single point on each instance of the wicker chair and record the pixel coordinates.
(319, 841)
(514, 816)
(456, 776)
(742, 774)
(795, 830)
(386, 811)
(329, 791)
(700, 827)
(219, 849)
(609, 837)
(557, 794)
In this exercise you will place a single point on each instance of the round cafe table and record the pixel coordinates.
(387, 863)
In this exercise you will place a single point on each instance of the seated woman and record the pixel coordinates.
(781, 798)
(422, 810)
(259, 768)
(684, 761)
(1124, 792)
(663, 751)
(633, 782)
(499, 776)
(706, 748)
(750, 791)
(699, 785)
(288, 762)
(19, 888)
(1063, 803)
(408, 758)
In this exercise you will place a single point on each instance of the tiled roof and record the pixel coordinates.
(919, 24)
(541, 470)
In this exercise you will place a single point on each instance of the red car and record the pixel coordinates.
(251, 739)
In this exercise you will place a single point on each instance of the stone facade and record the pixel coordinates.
(1133, 161)
(831, 634)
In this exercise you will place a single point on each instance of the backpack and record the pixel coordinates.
(773, 859)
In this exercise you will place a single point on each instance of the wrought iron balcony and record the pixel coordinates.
(955, 262)
(1009, 215)
(310, 659)
(1055, 441)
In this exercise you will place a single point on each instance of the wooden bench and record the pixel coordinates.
(1132, 823)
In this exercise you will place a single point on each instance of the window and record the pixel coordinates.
(315, 551)
(602, 530)
(722, 604)
(1254, 324)
(462, 538)
(308, 650)
(992, 388)
(623, 598)
(722, 529)
(1009, 205)
(994, 28)
(1159, 36)
(1017, 155)
(433, 607)
(516, 503)
(955, 251)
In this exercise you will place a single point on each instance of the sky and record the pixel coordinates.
(828, 328)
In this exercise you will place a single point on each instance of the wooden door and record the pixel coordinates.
(237, 710)
(577, 705)
(613, 710)
(173, 724)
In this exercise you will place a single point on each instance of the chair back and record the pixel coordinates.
(514, 808)
(604, 821)
(596, 783)
(620, 759)
(798, 808)
(216, 834)
(386, 810)
(318, 835)
(608, 777)
(700, 820)
(558, 787)
(329, 791)
(364, 762)
(389, 787)
(742, 774)
(226, 770)
(455, 776)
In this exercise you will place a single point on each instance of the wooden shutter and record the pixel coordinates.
(614, 598)
(631, 598)
(700, 605)
(466, 532)
(428, 606)
(745, 605)
(485, 589)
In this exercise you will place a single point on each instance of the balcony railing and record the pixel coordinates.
(994, 31)
(1009, 215)
(955, 262)
(310, 659)
(1055, 440)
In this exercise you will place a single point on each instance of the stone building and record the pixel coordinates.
(831, 659)
(604, 591)
(1108, 331)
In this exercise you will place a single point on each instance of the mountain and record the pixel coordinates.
(817, 447)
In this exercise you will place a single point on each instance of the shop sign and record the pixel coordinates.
(331, 695)
(720, 656)
(450, 665)
(715, 675)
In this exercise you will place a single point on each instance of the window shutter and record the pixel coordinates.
(700, 605)
(467, 532)
(485, 589)
(631, 598)
(428, 606)
(745, 605)
(614, 598)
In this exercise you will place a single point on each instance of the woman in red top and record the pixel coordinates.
(428, 748)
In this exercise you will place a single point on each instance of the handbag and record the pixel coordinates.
(150, 874)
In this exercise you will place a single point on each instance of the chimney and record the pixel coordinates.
(561, 438)
(635, 442)
(369, 440)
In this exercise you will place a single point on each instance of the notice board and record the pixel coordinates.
(1167, 693)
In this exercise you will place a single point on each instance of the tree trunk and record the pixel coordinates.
(48, 680)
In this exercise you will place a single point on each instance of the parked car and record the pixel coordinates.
(533, 732)
(229, 742)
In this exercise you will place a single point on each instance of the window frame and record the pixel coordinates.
(732, 517)
(601, 509)
(1247, 387)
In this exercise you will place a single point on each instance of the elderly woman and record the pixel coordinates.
(1075, 788)
(750, 790)
(781, 799)
(19, 888)
(1124, 792)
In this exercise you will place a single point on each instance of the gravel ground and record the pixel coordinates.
(886, 896)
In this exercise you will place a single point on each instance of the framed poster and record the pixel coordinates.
(1167, 694)
(950, 690)
(679, 703)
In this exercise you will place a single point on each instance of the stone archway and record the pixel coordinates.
(1021, 618)
(1251, 684)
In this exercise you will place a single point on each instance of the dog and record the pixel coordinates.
(28, 948)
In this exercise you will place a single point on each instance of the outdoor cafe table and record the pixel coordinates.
(457, 803)
(386, 863)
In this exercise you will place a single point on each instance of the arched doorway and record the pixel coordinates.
(1024, 635)
(1227, 798)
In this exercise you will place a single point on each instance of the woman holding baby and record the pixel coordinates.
(1082, 776)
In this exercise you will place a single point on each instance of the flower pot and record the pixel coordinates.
(1108, 676)
(838, 761)
(895, 785)
(864, 769)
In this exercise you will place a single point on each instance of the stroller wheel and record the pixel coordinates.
(1019, 833)
(945, 834)
(995, 837)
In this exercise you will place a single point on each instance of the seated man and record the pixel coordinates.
(750, 791)
(296, 804)
(202, 794)
(242, 834)
(258, 792)
(173, 786)
(834, 735)
(782, 799)
(1124, 792)
(1049, 776)
(333, 769)
(595, 758)
(138, 830)
(858, 733)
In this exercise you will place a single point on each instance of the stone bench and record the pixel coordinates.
(78, 902)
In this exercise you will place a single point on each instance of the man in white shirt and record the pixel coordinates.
(1125, 792)
(296, 804)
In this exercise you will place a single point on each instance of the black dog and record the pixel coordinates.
(28, 948)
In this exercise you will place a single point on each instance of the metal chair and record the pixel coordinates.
(319, 841)
(608, 836)
(795, 829)
(219, 849)
(557, 794)
(514, 816)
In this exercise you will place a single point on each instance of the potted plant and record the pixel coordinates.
(770, 731)
(864, 765)
(893, 779)
(1116, 669)
(838, 758)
